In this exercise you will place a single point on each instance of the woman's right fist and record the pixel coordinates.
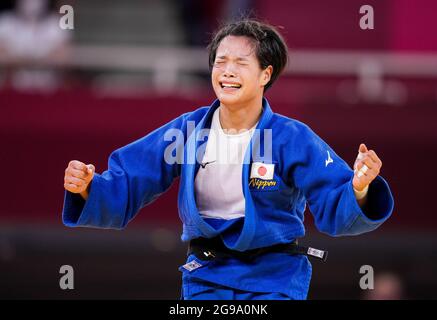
(77, 177)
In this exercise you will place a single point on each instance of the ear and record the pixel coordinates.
(266, 75)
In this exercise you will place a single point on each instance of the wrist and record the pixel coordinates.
(84, 194)
(361, 194)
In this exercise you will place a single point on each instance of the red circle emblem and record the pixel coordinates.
(262, 171)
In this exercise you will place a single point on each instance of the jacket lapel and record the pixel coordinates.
(191, 167)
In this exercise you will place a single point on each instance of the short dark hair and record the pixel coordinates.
(270, 47)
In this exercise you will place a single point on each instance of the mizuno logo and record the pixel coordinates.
(203, 165)
(329, 160)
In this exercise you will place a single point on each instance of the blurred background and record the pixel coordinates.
(128, 67)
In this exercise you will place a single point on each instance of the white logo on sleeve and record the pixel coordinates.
(263, 171)
(329, 160)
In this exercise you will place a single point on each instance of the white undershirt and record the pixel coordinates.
(218, 183)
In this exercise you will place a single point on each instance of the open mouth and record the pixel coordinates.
(230, 86)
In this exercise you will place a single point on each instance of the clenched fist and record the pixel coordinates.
(367, 167)
(77, 177)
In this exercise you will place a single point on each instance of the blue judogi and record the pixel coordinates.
(138, 173)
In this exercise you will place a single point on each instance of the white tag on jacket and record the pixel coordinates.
(263, 171)
(193, 265)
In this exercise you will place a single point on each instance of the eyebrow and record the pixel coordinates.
(239, 58)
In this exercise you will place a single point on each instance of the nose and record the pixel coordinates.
(229, 71)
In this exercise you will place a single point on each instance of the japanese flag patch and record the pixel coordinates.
(262, 171)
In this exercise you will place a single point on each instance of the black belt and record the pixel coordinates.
(209, 249)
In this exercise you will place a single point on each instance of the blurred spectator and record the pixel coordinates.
(235, 9)
(201, 18)
(198, 20)
(30, 37)
(387, 286)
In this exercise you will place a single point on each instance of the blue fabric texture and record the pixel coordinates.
(137, 174)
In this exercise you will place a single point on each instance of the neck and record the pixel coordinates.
(240, 117)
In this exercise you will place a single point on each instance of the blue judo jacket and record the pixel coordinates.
(306, 170)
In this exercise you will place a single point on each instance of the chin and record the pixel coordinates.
(230, 99)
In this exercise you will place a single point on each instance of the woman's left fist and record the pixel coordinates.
(366, 167)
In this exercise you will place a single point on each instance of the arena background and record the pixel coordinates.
(131, 66)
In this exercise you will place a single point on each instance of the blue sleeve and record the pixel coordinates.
(136, 175)
(327, 187)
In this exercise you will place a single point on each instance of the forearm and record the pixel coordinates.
(362, 202)
(84, 194)
(361, 196)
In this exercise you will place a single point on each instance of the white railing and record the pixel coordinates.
(302, 62)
